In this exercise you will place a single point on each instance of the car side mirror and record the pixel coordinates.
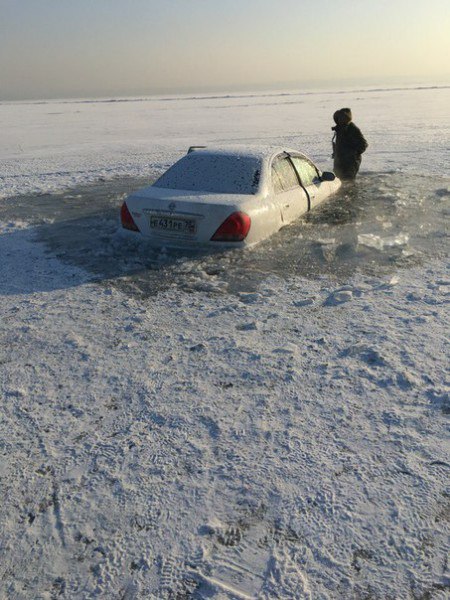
(328, 176)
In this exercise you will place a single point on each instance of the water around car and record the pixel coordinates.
(382, 222)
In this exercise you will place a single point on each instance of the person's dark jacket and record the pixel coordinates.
(348, 145)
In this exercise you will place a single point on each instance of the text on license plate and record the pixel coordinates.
(173, 224)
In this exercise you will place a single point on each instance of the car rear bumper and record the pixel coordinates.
(156, 241)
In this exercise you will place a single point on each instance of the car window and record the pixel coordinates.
(283, 175)
(216, 173)
(305, 169)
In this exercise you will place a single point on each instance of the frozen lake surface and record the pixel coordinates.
(262, 424)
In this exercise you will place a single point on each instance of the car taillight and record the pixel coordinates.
(126, 218)
(234, 229)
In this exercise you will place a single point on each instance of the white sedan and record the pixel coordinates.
(227, 197)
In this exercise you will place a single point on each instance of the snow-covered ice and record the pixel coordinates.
(49, 145)
(268, 424)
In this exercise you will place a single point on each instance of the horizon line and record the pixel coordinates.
(215, 95)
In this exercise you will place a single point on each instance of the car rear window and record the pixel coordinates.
(220, 174)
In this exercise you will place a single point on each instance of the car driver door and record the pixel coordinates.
(310, 178)
(290, 196)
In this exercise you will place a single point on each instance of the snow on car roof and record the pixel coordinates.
(255, 151)
(225, 170)
(261, 153)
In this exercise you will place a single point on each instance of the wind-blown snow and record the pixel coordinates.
(284, 439)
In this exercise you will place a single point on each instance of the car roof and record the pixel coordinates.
(259, 152)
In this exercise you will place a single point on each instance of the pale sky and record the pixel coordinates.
(82, 48)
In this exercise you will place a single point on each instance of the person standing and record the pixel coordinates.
(348, 145)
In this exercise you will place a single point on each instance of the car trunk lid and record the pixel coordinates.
(174, 217)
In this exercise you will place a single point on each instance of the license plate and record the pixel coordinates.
(173, 224)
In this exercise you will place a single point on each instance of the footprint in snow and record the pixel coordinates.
(339, 297)
(250, 298)
(252, 326)
(305, 301)
(442, 192)
(369, 355)
(288, 348)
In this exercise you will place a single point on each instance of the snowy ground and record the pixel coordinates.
(265, 425)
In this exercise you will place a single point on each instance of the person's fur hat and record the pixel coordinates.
(348, 113)
(344, 113)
